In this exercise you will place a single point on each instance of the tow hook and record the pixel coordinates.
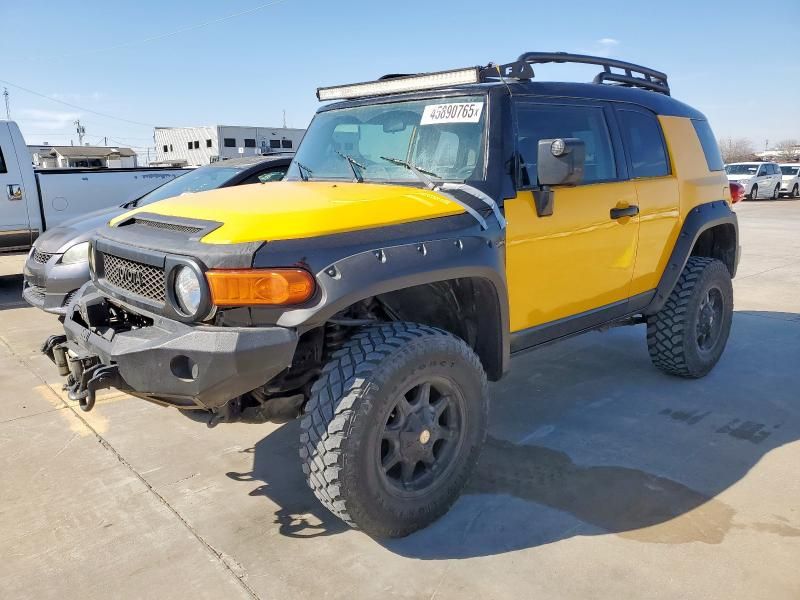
(84, 387)
(54, 349)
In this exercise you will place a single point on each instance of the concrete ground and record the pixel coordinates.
(602, 478)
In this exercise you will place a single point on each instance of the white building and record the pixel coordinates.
(72, 157)
(197, 146)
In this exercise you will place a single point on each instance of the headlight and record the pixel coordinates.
(78, 253)
(187, 290)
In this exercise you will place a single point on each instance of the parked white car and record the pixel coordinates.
(790, 180)
(760, 179)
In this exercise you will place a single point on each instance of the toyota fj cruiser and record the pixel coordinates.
(431, 226)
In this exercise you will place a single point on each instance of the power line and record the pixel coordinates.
(89, 110)
(161, 36)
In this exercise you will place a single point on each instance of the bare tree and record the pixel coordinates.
(789, 149)
(736, 149)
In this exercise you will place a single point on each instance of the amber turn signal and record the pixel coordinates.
(243, 287)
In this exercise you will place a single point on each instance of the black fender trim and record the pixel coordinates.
(391, 268)
(699, 219)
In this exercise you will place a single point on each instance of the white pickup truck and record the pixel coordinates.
(34, 200)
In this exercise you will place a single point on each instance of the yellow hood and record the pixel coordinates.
(300, 209)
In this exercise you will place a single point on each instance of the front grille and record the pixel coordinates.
(167, 226)
(41, 257)
(135, 277)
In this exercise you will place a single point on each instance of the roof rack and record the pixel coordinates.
(632, 75)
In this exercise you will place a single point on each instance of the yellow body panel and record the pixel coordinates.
(301, 209)
(573, 261)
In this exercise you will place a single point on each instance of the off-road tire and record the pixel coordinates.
(672, 338)
(754, 192)
(343, 421)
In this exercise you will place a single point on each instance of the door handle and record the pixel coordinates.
(14, 191)
(628, 211)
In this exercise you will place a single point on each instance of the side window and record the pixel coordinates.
(249, 143)
(3, 168)
(709, 144)
(230, 142)
(645, 144)
(274, 175)
(165, 148)
(274, 143)
(762, 170)
(286, 143)
(542, 121)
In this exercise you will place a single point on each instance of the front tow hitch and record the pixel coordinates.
(85, 374)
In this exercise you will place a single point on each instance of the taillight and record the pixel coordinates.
(737, 192)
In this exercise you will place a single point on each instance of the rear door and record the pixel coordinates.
(15, 231)
(656, 191)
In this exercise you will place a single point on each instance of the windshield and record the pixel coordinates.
(741, 169)
(380, 142)
(786, 170)
(199, 180)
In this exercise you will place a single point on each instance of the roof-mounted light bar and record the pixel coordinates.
(397, 85)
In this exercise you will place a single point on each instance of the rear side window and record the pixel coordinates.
(645, 144)
(542, 122)
(3, 168)
(709, 144)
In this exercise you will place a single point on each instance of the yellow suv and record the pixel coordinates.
(430, 227)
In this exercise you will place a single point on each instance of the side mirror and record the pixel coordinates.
(559, 161)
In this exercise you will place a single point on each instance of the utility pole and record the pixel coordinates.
(81, 131)
(5, 97)
(105, 140)
(284, 118)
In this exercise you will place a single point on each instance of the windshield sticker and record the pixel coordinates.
(454, 112)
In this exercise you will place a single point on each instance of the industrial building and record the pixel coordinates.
(197, 146)
(72, 157)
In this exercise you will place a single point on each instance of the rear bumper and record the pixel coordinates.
(190, 366)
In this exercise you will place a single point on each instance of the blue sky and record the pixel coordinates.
(113, 57)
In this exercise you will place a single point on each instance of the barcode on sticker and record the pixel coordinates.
(453, 112)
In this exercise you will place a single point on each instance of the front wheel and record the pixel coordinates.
(796, 191)
(754, 192)
(776, 192)
(394, 426)
(688, 335)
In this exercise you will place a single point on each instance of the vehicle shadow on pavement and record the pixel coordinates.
(11, 292)
(617, 447)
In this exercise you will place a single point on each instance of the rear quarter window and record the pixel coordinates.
(709, 144)
(645, 144)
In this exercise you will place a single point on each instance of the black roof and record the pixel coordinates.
(660, 104)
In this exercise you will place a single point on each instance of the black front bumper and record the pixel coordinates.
(188, 366)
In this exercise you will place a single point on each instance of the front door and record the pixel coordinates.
(580, 258)
(14, 225)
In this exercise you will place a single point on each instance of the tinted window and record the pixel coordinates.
(540, 122)
(190, 145)
(3, 168)
(275, 175)
(196, 144)
(786, 170)
(199, 180)
(165, 148)
(249, 143)
(274, 143)
(286, 143)
(230, 142)
(709, 144)
(645, 144)
(208, 143)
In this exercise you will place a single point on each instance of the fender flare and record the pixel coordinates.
(700, 219)
(382, 270)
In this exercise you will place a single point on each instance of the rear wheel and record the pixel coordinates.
(754, 192)
(776, 192)
(394, 426)
(796, 191)
(688, 335)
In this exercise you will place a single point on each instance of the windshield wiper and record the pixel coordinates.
(420, 173)
(304, 171)
(353, 164)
